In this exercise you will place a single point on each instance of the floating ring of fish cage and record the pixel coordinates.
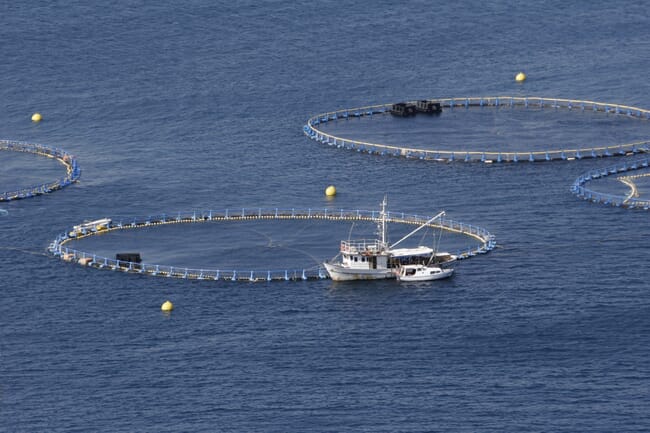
(316, 125)
(631, 200)
(70, 163)
(482, 241)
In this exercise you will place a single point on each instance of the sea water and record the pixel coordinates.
(173, 106)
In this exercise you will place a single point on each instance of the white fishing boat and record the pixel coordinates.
(423, 273)
(375, 259)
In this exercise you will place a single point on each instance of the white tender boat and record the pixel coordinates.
(423, 273)
(375, 259)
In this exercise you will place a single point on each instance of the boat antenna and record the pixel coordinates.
(417, 229)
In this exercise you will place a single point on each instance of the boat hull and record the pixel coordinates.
(341, 273)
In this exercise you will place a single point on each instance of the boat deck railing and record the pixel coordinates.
(363, 245)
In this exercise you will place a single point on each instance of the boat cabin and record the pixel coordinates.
(360, 261)
(364, 254)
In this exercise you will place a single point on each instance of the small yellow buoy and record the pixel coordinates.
(167, 306)
(520, 77)
(330, 191)
(36, 117)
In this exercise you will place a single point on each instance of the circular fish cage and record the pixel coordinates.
(72, 169)
(493, 152)
(633, 199)
(482, 241)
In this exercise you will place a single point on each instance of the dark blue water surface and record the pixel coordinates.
(174, 106)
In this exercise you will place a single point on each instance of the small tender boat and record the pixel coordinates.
(423, 273)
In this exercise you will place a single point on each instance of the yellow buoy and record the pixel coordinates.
(167, 306)
(520, 77)
(330, 191)
(36, 117)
